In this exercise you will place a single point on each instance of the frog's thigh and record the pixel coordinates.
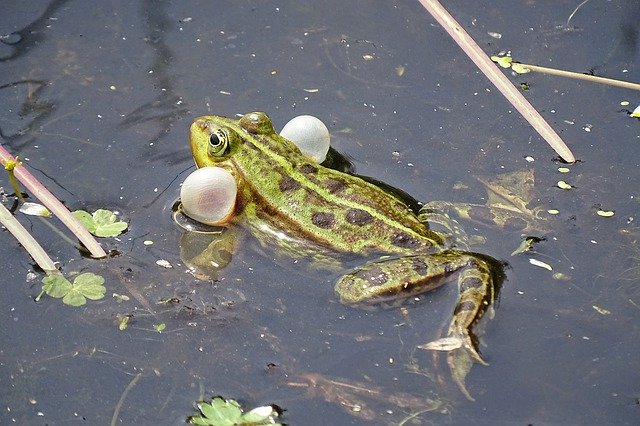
(403, 277)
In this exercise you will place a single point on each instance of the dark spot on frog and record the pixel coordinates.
(288, 184)
(334, 186)
(404, 240)
(470, 283)
(466, 306)
(323, 220)
(419, 266)
(308, 169)
(374, 276)
(359, 217)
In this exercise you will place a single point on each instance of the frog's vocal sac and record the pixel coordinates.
(287, 199)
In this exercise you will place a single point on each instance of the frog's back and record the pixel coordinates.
(331, 208)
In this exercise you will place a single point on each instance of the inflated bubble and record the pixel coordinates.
(208, 195)
(309, 134)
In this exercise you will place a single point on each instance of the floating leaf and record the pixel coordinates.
(221, 412)
(102, 223)
(564, 169)
(56, 285)
(85, 286)
(159, 327)
(123, 322)
(520, 69)
(107, 224)
(85, 219)
(503, 61)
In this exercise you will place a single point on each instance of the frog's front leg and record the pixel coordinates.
(399, 278)
(509, 217)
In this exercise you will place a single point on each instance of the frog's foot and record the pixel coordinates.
(461, 353)
(458, 339)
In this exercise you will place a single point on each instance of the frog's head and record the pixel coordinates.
(215, 139)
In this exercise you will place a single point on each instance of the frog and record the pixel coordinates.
(289, 201)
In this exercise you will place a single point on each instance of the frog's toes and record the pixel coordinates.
(454, 342)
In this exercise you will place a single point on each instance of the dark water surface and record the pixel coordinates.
(97, 98)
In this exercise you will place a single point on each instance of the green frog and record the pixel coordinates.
(290, 201)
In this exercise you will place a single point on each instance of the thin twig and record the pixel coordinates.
(496, 76)
(116, 411)
(580, 76)
(576, 10)
(48, 199)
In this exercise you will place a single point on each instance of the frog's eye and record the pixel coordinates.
(218, 143)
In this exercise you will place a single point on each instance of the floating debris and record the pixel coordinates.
(601, 311)
(541, 264)
(164, 263)
(564, 185)
(605, 213)
(34, 209)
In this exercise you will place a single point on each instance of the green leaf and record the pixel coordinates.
(85, 219)
(104, 217)
(124, 322)
(111, 230)
(219, 413)
(106, 225)
(74, 298)
(199, 421)
(503, 61)
(90, 285)
(103, 223)
(56, 285)
(85, 286)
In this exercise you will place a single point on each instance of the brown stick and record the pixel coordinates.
(496, 76)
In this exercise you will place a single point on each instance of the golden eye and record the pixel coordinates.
(218, 143)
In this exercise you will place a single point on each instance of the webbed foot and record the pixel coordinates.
(461, 353)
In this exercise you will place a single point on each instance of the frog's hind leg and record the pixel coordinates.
(477, 293)
(400, 278)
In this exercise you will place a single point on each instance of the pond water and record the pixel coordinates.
(97, 99)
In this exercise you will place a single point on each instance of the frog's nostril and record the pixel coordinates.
(200, 123)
